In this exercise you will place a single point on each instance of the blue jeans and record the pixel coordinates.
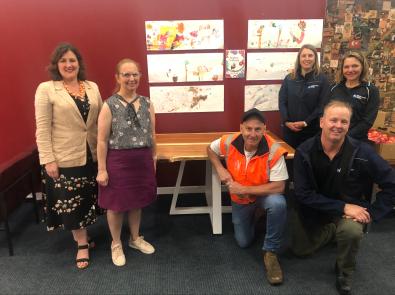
(276, 217)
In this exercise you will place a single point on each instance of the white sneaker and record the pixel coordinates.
(142, 245)
(118, 258)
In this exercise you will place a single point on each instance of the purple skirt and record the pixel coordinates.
(131, 180)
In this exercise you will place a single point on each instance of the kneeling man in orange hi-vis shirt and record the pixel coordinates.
(255, 174)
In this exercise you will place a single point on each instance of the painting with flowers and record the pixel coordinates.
(184, 35)
(235, 63)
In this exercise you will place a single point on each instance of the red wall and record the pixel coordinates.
(105, 32)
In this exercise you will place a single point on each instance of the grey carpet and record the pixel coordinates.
(188, 260)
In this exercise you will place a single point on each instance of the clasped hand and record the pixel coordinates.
(356, 213)
(233, 186)
(295, 126)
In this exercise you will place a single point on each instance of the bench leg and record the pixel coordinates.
(173, 206)
(3, 213)
(8, 236)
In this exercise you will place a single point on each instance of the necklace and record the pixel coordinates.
(81, 91)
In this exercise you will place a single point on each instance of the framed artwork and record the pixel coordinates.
(188, 67)
(262, 97)
(280, 33)
(186, 99)
(184, 34)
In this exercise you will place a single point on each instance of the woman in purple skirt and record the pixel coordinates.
(126, 159)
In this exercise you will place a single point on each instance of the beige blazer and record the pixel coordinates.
(61, 132)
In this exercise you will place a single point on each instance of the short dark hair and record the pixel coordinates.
(57, 54)
(253, 113)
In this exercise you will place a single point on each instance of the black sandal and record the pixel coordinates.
(91, 243)
(82, 247)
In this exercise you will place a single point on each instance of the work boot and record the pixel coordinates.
(274, 273)
(343, 282)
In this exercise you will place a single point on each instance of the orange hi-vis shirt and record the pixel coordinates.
(257, 172)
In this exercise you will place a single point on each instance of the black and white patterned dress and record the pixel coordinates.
(70, 202)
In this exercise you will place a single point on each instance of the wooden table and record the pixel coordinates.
(182, 147)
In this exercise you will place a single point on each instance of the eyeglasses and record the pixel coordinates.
(128, 75)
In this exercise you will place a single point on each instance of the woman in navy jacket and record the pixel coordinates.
(353, 87)
(301, 97)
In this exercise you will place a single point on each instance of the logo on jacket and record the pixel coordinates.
(313, 86)
(360, 97)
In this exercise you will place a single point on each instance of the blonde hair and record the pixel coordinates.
(297, 68)
(118, 67)
(362, 60)
(338, 103)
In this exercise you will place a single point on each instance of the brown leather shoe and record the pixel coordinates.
(274, 273)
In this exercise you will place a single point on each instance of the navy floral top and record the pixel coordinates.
(129, 128)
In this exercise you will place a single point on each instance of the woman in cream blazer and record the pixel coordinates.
(66, 110)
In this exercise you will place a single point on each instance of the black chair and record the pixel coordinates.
(18, 178)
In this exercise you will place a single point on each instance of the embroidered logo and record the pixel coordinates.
(360, 97)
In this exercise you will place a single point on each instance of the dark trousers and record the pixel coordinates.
(346, 232)
(294, 139)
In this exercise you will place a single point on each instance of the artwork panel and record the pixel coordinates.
(262, 97)
(235, 63)
(284, 33)
(184, 35)
(187, 99)
(271, 65)
(191, 67)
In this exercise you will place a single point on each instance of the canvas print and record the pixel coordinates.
(184, 34)
(280, 33)
(262, 97)
(235, 63)
(186, 99)
(188, 67)
(270, 65)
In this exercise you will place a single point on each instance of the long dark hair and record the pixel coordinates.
(57, 54)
